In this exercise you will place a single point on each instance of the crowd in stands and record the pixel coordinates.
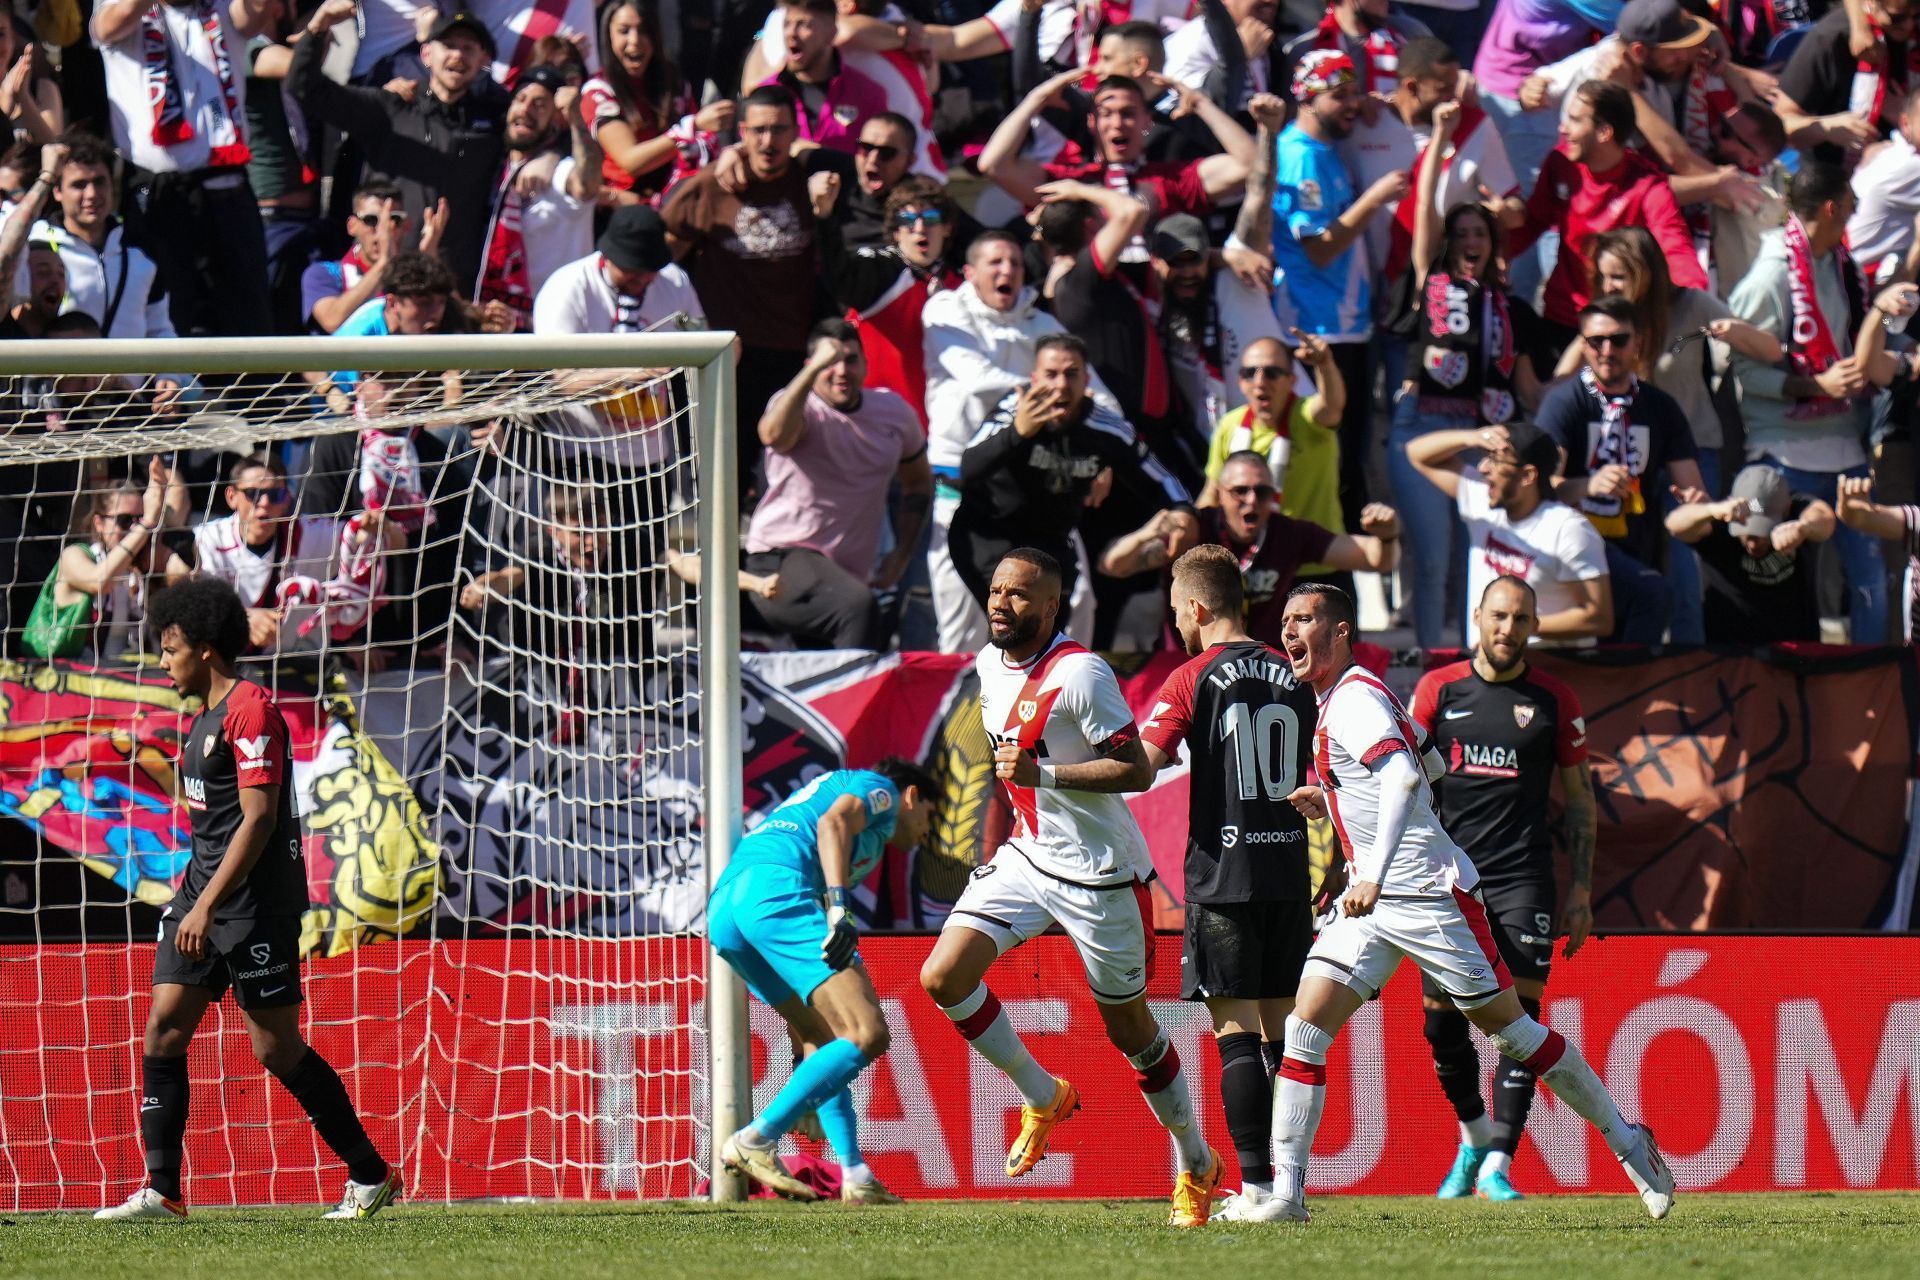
(1608, 296)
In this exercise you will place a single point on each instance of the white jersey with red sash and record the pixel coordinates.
(1361, 721)
(1474, 158)
(1066, 707)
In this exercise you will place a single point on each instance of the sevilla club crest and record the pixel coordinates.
(1523, 714)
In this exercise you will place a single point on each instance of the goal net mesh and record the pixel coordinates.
(470, 592)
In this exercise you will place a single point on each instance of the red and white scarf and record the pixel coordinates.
(1706, 98)
(1868, 96)
(346, 600)
(352, 266)
(390, 480)
(1811, 349)
(503, 270)
(1400, 246)
(1379, 53)
(227, 148)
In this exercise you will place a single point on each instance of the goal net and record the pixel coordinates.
(473, 572)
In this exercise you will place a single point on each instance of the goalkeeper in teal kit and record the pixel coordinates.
(780, 917)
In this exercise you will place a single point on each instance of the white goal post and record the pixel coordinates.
(501, 375)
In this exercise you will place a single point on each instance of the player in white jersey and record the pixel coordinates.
(1410, 895)
(1067, 751)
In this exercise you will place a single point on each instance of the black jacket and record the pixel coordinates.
(428, 148)
(1034, 491)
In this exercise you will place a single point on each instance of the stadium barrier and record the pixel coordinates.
(1764, 1063)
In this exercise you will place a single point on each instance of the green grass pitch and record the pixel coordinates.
(1759, 1237)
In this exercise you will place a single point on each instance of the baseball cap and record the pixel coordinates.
(1663, 23)
(1536, 448)
(468, 23)
(1768, 499)
(1177, 234)
(635, 240)
(1320, 70)
(552, 79)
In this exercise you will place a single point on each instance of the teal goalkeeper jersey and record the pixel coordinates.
(789, 836)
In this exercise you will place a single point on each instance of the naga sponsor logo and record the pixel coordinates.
(1484, 761)
(196, 792)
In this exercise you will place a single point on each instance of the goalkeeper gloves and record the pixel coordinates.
(842, 939)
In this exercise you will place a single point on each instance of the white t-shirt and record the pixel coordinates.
(1574, 70)
(1551, 550)
(578, 299)
(1066, 702)
(556, 228)
(389, 29)
(1192, 56)
(308, 547)
(1888, 188)
(1371, 152)
(202, 97)
(1361, 721)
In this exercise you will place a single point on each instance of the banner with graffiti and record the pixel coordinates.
(88, 759)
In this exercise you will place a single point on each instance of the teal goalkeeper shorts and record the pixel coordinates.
(768, 924)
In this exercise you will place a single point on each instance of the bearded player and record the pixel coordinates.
(1067, 750)
(1410, 894)
(1506, 730)
(1248, 726)
(236, 920)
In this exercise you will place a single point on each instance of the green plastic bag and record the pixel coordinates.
(54, 632)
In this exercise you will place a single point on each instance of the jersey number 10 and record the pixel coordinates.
(1262, 757)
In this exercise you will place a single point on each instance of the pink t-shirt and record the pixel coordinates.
(848, 101)
(829, 492)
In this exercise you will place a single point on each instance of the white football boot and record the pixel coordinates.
(363, 1200)
(1649, 1172)
(144, 1203)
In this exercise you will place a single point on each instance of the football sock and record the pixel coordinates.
(164, 1094)
(1548, 1055)
(842, 1127)
(1157, 1069)
(984, 1023)
(1299, 1092)
(1271, 1053)
(820, 1076)
(1497, 1161)
(1513, 1085)
(1247, 1095)
(1457, 1064)
(317, 1087)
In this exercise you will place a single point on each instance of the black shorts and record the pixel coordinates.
(1245, 950)
(1521, 913)
(259, 959)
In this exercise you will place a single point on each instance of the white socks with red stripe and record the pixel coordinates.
(1562, 1069)
(984, 1023)
(1157, 1068)
(1299, 1092)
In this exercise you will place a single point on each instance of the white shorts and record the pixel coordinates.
(1448, 939)
(1010, 900)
